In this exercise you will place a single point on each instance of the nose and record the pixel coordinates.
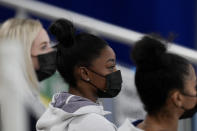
(50, 49)
(115, 69)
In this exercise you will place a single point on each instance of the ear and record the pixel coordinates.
(177, 98)
(84, 73)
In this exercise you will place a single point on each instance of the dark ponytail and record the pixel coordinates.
(64, 32)
(147, 53)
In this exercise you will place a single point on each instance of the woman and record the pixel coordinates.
(39, 56)
(36, 45)
(166, 84)
(88, 65)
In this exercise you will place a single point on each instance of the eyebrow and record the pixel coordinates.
(110, 60)
(43, 43)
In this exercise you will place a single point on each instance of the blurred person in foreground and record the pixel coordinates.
(39, 58)
(13, 98)
(166, 84)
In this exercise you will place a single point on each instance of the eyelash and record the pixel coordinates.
(111, 67)
(44, 47)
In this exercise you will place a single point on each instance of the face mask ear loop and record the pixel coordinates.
(95, 72)
(88, 81)
(183, 93)
(188, 95)
(92, 83)
(180, 107)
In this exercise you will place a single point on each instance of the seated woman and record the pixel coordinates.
(39, 60)
(88, 65)
(166, 84)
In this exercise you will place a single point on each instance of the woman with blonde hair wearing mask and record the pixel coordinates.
(39, 56)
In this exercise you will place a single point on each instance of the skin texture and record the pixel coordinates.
(167, 118)
(41, 45)
(103, 65)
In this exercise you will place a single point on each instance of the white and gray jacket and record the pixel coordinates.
(68, 112)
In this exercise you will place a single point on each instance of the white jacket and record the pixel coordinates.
(74, 113)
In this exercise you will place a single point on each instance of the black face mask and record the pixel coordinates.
(47, 64)
(189, 113)
(113, 84)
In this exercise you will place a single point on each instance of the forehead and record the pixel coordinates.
(42, 37)
(191, 78)
(107, 54)
(192, 73)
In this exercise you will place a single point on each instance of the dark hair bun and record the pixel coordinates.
(64, 32)
(148, 52)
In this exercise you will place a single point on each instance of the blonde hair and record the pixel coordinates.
(25, 31)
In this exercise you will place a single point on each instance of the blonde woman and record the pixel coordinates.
(39, 56)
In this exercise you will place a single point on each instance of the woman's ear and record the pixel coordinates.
(84, 73)
(177, 98)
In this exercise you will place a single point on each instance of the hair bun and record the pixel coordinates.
(148, 52)
(64, 32)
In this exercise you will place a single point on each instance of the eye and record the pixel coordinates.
(44, 47)
(112, 67)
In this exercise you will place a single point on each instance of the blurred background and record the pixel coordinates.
(127, 21)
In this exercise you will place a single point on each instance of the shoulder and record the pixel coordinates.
(92, 122)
